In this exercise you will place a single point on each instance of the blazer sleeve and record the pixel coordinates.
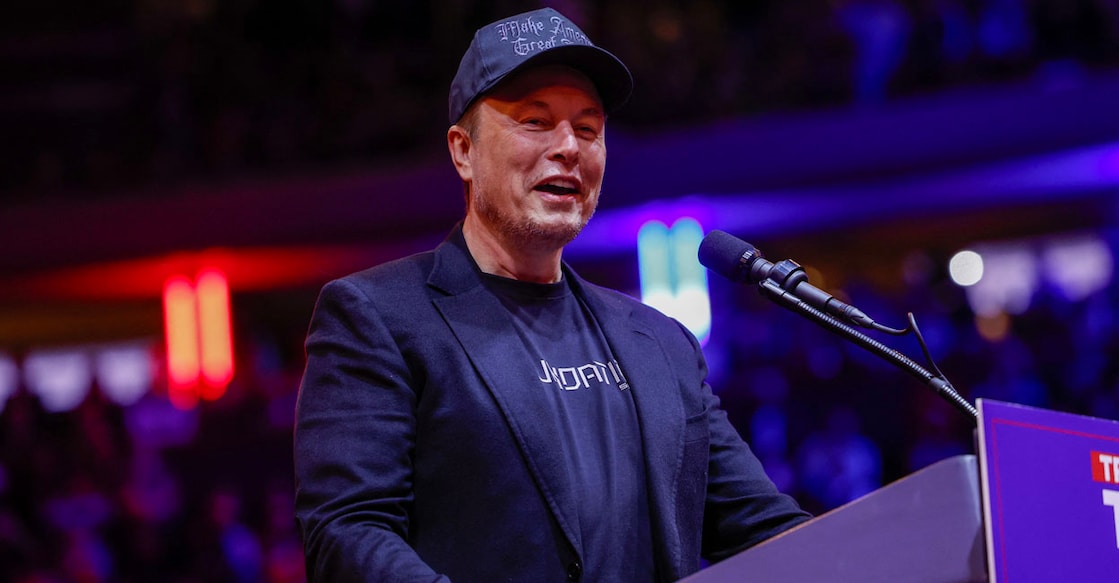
(742, 507)
(355, 434)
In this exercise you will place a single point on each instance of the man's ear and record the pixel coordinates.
(459, 144)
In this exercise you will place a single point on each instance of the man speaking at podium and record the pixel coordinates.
(481, 413)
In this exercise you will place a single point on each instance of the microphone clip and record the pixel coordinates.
(787, 274)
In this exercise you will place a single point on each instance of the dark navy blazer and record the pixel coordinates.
(417, 457)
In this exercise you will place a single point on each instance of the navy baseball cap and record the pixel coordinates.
(539, 37)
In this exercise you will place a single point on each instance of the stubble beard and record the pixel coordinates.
(528, 233)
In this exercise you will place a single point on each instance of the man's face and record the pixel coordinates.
(537, 158)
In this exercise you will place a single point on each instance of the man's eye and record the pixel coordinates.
(590, 132)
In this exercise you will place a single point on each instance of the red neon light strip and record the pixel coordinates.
(215, 333)
(181, 335)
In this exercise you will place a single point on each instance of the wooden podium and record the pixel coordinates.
(1040, 504)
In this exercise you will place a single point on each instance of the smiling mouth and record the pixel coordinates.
(557, 189)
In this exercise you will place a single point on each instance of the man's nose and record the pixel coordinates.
(566, 146)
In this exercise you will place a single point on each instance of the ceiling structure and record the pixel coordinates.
(957, 153)
(844, 187)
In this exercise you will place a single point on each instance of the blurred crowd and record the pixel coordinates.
(151, 493)
(136, 94)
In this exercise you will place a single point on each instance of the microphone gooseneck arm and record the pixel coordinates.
(784, 298)
(790, 276)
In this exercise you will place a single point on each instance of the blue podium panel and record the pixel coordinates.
(1050, 486)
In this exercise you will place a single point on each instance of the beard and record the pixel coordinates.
(527, 232)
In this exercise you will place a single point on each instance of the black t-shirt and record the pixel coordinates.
(576, 376)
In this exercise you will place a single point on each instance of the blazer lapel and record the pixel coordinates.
(485, 331)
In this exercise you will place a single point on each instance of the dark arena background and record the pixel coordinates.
(179, 177)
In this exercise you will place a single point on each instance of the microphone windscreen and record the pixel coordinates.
(722, 253)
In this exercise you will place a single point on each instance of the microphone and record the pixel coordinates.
(741, 262)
